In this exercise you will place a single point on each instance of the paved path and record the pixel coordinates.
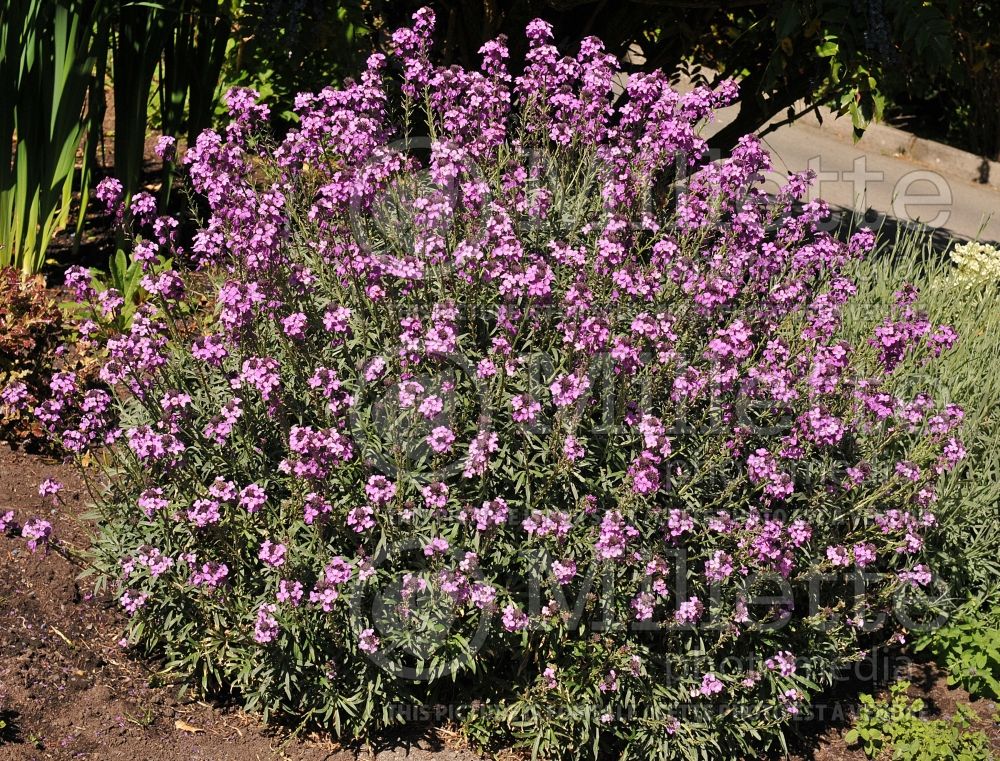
(870, 176)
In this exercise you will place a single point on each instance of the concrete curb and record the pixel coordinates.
(889, 141)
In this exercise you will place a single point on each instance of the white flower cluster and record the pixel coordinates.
(978, 264)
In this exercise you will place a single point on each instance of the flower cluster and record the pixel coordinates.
(978, 264)
(521, 385)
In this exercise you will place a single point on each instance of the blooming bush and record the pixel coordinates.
(506, 401)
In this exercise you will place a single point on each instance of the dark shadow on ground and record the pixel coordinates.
(834, 710)
(10, 730)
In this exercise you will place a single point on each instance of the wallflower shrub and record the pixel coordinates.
(509, 405)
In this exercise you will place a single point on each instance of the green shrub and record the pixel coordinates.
(895, 727)
(968, 646)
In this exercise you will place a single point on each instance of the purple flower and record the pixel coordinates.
(864, 554)
(564, 571)
(131, 601)
(368, 642)
(143, 208)
(919, 576)
(480, 449)
(152, 501)
(483, 596)
(155, 561)
(80, 281)
(15, 395)
(360, 518)
(799, 532)
(838, 556)
(710, 685)
(49, 487)
(252, 498)
(567, 389)
(437, 546)
(549, 678)
(175, 400)
(211, 575)
(6, 521)
(435, 495)
(262, 373)
(165, 148)
(222, 490)
(314, 507)
(541, 524)
(266, 626)
(525, 408)
(491, 514)
(290, 592)
(943, 339)
(209, 349)
(380, 490)
(823, 429)
(908, 470)
(951, 455)
(295, 325)
(690, 611)
(609, 682)
(572, 449)
(762, 467)
(643, 605)
(719, 566)
(375, 369)
(37, 532)
(783, 662)
(614, 537)
(110, 193)
(337, 319)
(204, 512)
(513, 619)
(272, 554)
(441, 439)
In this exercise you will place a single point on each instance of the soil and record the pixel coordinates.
(68, 690)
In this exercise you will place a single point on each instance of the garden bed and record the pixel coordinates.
(388, 410)
(68, 691)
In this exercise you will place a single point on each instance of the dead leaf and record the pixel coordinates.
(183, 726)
